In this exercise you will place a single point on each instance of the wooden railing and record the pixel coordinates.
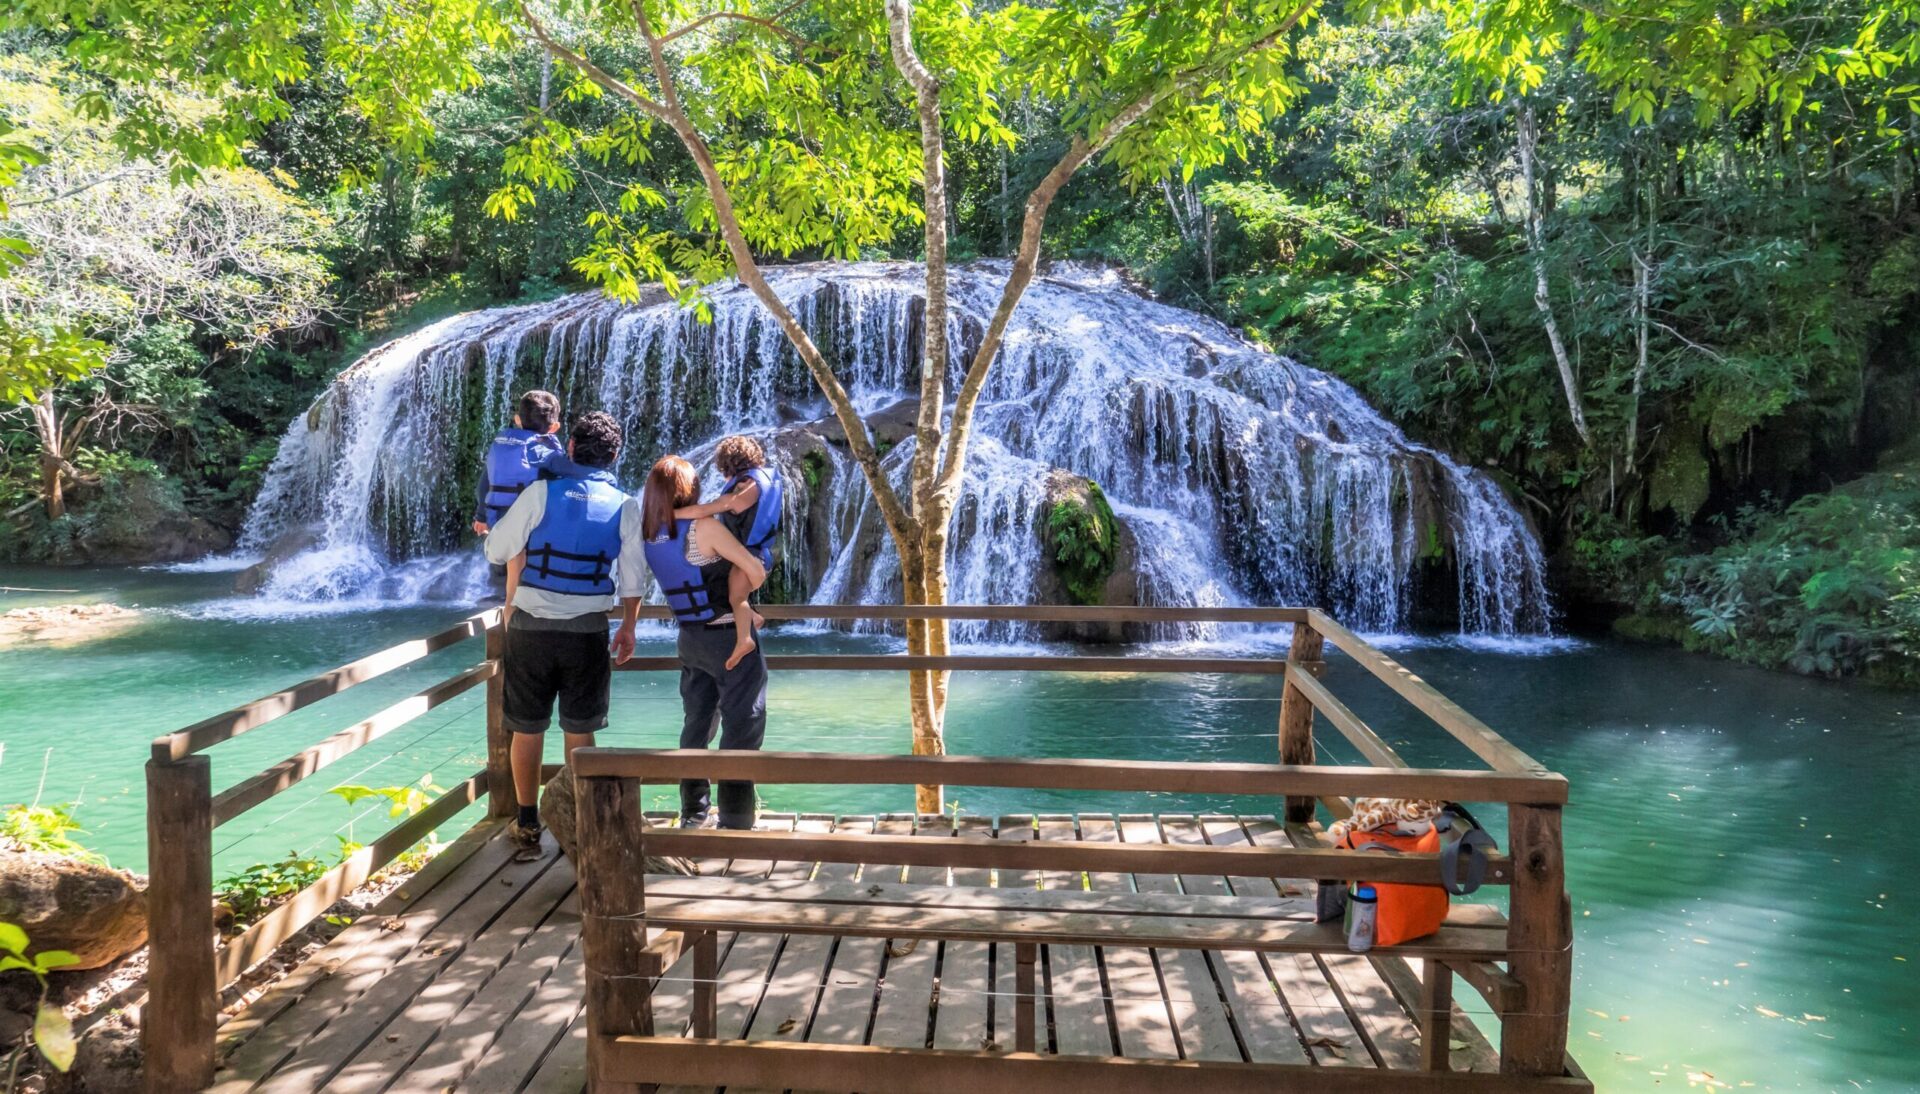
(187, 970)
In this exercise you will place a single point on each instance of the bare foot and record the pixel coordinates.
(759, 621)
(741, 649)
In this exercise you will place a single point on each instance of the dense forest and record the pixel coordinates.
(1677, 313)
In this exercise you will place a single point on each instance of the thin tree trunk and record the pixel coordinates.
(923, 687)
(53, 462)
(1542, 296)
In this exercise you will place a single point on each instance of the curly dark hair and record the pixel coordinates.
(596, 439)
(738, 455)
(538, 411)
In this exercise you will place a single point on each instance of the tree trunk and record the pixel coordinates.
(1542, 295)
(53, 462)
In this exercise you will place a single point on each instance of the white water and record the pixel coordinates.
(1243, 477)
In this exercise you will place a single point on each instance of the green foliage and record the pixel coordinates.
(1082, 536)
(48, 828)
(256, 890)
(1830, 586)
(52, 1033)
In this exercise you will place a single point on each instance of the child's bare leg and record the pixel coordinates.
(745, 619)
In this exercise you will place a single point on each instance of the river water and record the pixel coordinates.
(1741, 857)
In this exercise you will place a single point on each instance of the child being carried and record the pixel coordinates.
(749, 507)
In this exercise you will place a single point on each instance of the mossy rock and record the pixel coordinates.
(1081, 536)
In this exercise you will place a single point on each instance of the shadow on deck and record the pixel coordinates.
(468, 978)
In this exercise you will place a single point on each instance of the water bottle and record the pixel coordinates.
(1362, 904)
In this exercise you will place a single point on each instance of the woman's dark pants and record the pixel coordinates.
(733, 701)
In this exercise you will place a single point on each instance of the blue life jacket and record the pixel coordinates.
(763, 520)
(513, 463)
(697, 594)
(573, 548)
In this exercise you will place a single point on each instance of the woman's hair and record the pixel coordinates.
(737, 455)
(672, 484)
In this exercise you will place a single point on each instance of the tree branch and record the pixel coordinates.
(592, 71)
(859, 440)
(765, 22)
(1033, 225)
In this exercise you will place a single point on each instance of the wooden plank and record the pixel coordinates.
(1328, 1032)
(1496, 985)
(1534, 1041)
(369, 927)
(1010, 855)
(341, 974)
(514, 1017)
(931, 1071)
(1041, 613)
(1073, 972)
(853, 977)
(1435, 1016)
(612, 943)
(432, 1016)
(903, 1015)
(1496, 750)
(1192, 996)
(260, 940)
(1296, 715)
(1266, 1030)
(1358, 733)
(247, 793)
(226, 726)
(744, 966)
(1007, 1004)
(532, 1038)
(901, 662)
(178, 1025)
(1142, 1023)
(960, 1021)
(794, 985)
(1129, 776)
(386, 991)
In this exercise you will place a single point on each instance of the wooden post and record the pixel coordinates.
(1436, 1016)
(500, 797)
(1026, 1002)
(177, 1025)
(706, 973)
(1533, 1041)
(1296, 715)
(619, 973)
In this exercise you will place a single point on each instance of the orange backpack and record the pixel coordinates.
(1406, 912)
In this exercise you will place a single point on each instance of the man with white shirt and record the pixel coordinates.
(572, 546)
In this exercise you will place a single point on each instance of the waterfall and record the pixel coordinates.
(1238, 476)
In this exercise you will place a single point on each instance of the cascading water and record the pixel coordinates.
(1238, 476)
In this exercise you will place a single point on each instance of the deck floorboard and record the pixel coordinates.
(470, 978)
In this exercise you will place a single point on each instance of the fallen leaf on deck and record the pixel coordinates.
(392, 923)
(787, 1026)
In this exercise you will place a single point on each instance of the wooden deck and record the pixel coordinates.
(469, 978)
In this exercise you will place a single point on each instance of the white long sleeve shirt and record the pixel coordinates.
(508, 537)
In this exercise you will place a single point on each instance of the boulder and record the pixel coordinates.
(294, 541)
(97, 913)
(557, 813)
(109, 1062)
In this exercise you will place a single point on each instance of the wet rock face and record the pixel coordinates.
(97, 913)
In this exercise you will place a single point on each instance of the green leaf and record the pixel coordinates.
(13, 939)
(54, 1035)
(55, 959)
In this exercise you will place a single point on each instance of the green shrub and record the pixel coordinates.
(1829, 587)
(48, 828)
(1082, 538)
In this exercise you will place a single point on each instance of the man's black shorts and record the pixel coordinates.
(543, 665)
